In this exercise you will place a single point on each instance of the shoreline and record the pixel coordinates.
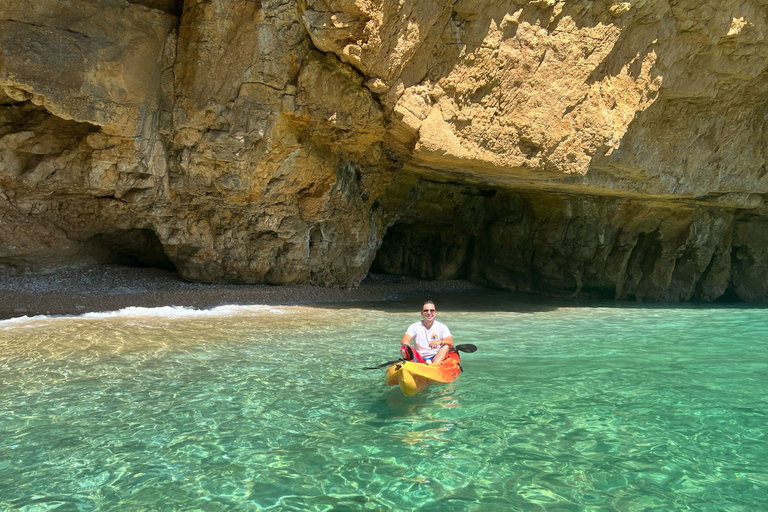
(113, 287)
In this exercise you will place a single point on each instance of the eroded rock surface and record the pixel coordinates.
(590, 147)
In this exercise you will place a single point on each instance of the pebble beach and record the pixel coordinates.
(113, 287)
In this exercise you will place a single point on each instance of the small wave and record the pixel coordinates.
(166, 312)
(22, 321)
(172, 312)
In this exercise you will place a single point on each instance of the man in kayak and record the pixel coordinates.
(433, 339)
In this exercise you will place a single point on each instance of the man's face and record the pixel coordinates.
(428, 311)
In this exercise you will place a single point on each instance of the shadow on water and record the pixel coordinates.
(488, 300)
(394, 405)
(446, 300)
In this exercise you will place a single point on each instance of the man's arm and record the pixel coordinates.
(445, 341)
(406, 339)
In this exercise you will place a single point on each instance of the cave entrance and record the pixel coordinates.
(410, 250)
(134, 248)
(439, 233)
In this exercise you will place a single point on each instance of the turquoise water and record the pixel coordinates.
(564, 407)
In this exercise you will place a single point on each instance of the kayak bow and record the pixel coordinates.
(415, 377)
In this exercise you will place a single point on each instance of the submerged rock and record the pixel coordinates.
(587, 148)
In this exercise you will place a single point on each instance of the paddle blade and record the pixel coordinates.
(382, 365)
(466, 347)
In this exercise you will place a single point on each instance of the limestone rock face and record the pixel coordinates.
(588, 147)
(278, 152)
(94, 62)
(557, 244)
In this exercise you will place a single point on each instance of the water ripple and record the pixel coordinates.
(599, 409)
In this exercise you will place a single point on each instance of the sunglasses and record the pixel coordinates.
(427, 310)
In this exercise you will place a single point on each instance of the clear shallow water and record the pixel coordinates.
(562, 408)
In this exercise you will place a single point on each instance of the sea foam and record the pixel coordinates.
(134, 312)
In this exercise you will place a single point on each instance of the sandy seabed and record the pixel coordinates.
(113, 287)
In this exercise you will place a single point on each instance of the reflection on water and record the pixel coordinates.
(565, 406)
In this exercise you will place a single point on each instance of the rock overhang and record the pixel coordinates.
(281, 142)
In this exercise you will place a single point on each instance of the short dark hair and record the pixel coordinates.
(427, 302)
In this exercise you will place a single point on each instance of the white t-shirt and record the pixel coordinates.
(422, 336)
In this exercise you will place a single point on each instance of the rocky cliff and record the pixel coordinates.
(586, 147)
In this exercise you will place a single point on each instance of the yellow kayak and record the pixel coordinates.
(415, 377)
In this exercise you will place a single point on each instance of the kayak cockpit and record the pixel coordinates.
(415, 377)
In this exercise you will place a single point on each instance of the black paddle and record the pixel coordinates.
(382, 365)
(464, 347)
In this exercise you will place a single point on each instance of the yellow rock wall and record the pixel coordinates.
(586, 147)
